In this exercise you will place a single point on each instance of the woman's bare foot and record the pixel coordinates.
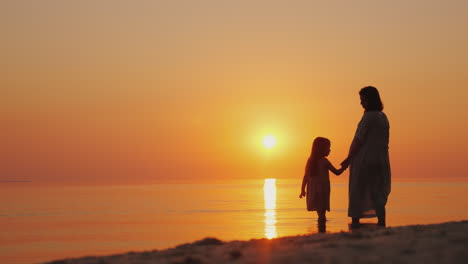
(381, 222)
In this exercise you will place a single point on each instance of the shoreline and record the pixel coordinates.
(434, 243)
(233, 181)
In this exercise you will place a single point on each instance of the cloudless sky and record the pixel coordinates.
(184, 91)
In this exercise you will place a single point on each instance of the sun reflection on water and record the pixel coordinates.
(269, 190)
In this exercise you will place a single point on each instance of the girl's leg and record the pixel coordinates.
(321, 216)
(322, 226)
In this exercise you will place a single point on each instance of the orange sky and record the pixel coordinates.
(183, 91)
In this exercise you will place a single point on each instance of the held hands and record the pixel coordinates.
(344, 166)
(303, 194)
(345, 163)
(341, 170)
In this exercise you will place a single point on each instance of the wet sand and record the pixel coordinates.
(437, 243)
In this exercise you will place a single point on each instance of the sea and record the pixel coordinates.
(42, 223)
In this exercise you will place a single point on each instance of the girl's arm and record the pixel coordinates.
(334, 170)
(304, 181)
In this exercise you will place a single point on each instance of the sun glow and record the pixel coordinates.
(269, 190)
(269, 141)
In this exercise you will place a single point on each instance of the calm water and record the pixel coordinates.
(41, 223)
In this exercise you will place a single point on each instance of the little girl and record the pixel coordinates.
(317, 180)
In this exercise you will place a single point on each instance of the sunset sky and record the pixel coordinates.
(184, 91)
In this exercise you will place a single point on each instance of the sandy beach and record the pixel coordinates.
(436, 243)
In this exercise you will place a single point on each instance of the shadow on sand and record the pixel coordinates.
(362, 226)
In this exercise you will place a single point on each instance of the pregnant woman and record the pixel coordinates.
(369, 177)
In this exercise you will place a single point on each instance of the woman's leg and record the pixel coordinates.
(381, 215)
(355, 222)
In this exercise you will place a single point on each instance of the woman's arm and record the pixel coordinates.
(368, 119)
(355, 147)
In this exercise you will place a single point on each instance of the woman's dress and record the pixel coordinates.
(370, 177)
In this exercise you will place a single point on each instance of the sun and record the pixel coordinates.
(269, 141)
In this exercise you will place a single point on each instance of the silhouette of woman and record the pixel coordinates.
(369, 177)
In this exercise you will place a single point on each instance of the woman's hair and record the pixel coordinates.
(319, 149)
(373, 98)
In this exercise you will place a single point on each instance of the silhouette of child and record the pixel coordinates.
(317, 179)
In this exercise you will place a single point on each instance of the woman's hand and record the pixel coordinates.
(303, 194)
(345, 163)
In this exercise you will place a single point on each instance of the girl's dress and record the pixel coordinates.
(318, 188)
(369, 177)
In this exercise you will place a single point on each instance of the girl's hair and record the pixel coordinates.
(319, 149)
(373, 98)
